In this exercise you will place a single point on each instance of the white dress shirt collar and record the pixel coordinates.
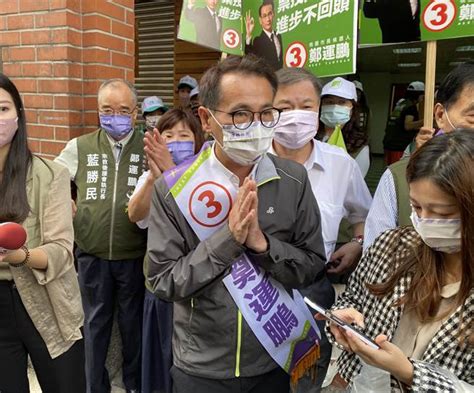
(213, 13)
(124, 141)
(269, 34)
(261, 172)
(316, 157)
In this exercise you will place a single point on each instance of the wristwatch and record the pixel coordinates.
(358, 239)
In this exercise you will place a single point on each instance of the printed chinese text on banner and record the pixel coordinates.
(319, 35)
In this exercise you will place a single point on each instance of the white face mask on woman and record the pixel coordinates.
(440, 234)
(296, 128)
(335, 115)
(245, 147)
(8, 129)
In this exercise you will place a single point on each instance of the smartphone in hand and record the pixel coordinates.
(339, 322)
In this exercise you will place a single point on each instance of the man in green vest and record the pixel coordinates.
(454, 109)
(105, 166)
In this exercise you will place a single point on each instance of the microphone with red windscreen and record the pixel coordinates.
(12, 236)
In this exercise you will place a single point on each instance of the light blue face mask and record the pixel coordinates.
(334, 115)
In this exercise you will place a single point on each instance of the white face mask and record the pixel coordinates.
(335, 115)
(8, 128)
(245, 147)
(443, 235)
(296, 128)
(152, 121)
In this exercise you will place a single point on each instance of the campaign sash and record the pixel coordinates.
(282, 323)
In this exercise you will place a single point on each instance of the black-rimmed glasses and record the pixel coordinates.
(242, 119)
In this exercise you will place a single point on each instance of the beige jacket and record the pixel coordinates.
(51, 297)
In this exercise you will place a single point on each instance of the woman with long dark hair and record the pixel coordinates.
(413, 290)
(40, 303)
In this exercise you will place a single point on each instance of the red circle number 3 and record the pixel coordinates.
(439, 14)
(211, 203)
(296, 55)
(231, 38)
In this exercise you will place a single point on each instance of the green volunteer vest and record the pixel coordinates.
(101, 225)
(399, 170)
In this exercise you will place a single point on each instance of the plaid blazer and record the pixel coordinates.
(444, 352)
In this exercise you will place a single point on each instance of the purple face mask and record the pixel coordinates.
(8, 129)
(181, 150)
(117, 126)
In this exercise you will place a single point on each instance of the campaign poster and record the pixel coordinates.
(395, 21)
(319, 35)
(210, 23)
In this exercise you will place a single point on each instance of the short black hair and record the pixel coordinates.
(293, 75)
(175, 116)
(265, 2)
(454, 83)
(209, 85)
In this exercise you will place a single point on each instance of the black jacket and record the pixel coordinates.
(205, 24)
(395, 19)
(263, 46)
(189, 272)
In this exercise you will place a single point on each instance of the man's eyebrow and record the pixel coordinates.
(239, 106)
(284, 101)
(245, 106)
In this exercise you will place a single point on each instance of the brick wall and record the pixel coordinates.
(58, 52)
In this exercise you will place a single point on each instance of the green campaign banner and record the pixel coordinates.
(319, 35)
(395, 21)
(216, 24)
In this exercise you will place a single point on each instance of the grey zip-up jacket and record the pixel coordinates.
(211, 339)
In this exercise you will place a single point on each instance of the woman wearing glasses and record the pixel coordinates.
(205, 219)
(40, 305)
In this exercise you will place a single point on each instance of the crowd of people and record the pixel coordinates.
(189, 231)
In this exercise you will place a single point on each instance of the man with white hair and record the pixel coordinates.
(105, 166)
